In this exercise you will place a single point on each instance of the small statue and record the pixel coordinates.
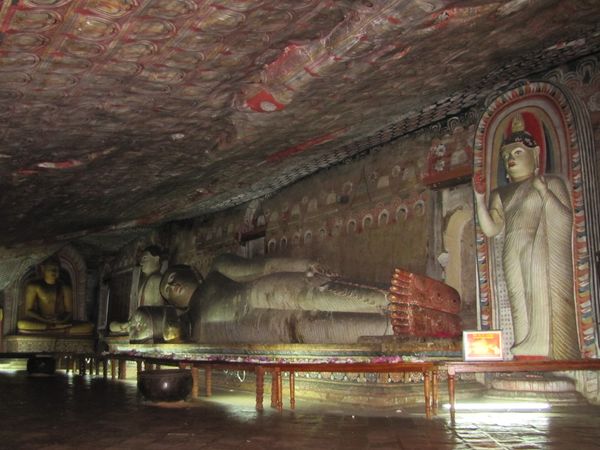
(49, 305)
(535, 214)
(148, 293)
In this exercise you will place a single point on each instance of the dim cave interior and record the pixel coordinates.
(305, 181)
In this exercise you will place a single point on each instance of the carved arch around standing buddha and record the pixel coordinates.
(561, 125)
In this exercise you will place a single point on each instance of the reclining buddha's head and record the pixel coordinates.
(178, 284)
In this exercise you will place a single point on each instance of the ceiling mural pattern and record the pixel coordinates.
(125, 113)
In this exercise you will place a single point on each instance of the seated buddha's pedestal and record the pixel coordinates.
(49, 344)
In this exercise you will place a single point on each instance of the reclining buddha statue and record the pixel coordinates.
(271, 300)
(266, 301)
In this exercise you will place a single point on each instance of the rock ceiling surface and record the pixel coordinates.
(117, 114)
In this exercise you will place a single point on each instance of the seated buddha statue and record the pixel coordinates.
(49, 305)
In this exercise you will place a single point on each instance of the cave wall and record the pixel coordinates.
(406, 203)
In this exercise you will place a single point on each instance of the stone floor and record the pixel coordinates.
(66, 411)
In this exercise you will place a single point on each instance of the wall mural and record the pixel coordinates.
(367, 203)
(528, 178)
(450, 158)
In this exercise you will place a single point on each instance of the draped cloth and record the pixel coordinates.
(287, 307)
(538, 268)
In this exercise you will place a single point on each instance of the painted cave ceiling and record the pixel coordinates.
(117, 115)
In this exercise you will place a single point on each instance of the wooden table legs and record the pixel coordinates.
(260, 387)
(195, 382)
(452, 398)
(208, 380)
(274, 386)
(292, 390)
(276, 389)
(427, 393)
(435, 390)
(279, 402)
(113, 369)
(122, 369)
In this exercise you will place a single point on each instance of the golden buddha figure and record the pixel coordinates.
(49, 305)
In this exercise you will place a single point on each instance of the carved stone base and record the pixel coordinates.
(369, 347)
(48, 344)
(369, 391)
(547, 388)
(438, 347)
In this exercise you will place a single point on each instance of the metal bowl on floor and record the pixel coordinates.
(41, 365)
(165, 385)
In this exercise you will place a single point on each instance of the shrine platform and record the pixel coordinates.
(384, 372)
(389, 348)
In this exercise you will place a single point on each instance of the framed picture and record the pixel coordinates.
(482, 345)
